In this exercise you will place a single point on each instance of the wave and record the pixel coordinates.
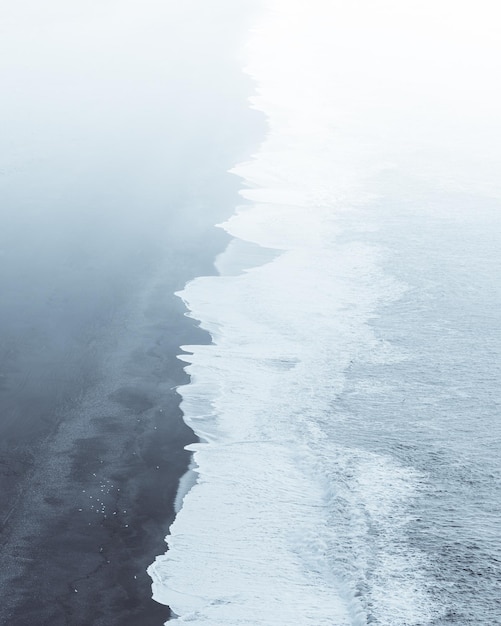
(281, 516)
(289, 520)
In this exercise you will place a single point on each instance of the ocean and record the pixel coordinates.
(348, 468)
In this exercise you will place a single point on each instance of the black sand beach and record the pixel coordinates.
(96, 237)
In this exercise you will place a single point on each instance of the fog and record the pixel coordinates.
(108, 110)
(118, 122)
(414, 81)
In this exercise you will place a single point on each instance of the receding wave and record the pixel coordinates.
(308, 487)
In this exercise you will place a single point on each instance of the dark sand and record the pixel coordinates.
(91, 433)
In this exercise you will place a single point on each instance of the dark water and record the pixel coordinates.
(113, 172)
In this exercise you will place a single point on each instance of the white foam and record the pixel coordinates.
(286, 525)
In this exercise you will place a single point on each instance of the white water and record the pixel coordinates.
(381, 120)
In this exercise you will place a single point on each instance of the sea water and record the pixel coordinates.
(348, 407)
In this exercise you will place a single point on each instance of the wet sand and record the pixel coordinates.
(91, 433)
(89, 490)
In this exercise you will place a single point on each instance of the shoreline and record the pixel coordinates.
(93, 441)
(100, 492)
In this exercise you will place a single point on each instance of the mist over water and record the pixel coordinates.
(344, 381)
(348, 468)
